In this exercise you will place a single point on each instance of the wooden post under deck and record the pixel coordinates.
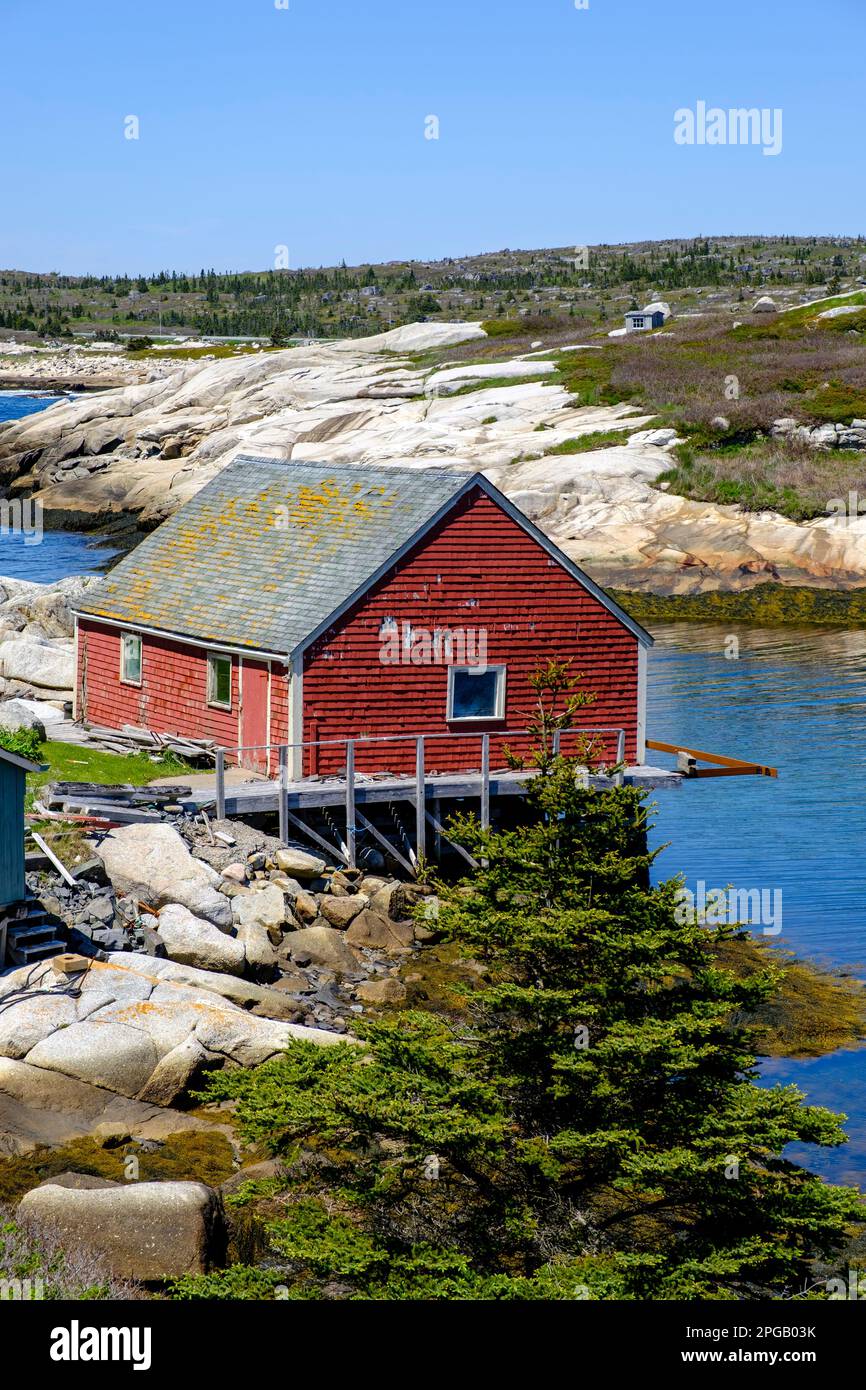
(485, 781)
(284, 792)
(350, 802)
(420, 818)
(220, 784)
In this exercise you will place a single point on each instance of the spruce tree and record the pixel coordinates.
(586, 1125)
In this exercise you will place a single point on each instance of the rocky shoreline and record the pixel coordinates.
(142, 450)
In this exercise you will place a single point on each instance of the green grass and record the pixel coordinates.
(846, 323)
(191, 1155)
(587, 376)
(837, 403)
(502, 328)
(768, 475)
(585, 443)
(792, 323)
(69, 762)
(493, 382)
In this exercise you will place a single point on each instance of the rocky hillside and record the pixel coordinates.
(587, 473)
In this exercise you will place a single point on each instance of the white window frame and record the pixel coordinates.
(126, 637)
(453, 718)
(213, 702)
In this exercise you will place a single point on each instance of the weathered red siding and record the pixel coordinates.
(172, 697)
(477, 569)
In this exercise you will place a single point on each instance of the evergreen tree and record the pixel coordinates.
(588, 1125)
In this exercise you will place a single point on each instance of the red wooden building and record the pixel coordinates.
(306, 603)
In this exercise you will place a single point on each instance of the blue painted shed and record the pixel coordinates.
(642, 320)
(13, 771)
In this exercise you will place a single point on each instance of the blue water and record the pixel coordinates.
(14, 404)
(57, 553)
(795, 699)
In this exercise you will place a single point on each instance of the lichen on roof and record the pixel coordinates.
(269, 549)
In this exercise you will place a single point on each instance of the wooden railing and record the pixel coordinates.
(419, 796)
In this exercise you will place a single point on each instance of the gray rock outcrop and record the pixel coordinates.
(152, 862)
(146, 1231)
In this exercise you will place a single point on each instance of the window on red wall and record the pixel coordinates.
(476, 692)
(219, 681)
(130, 658)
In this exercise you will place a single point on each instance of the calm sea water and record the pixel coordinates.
(795, 699)
(58, 553)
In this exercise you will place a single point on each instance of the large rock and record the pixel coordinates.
(265, 907)
(28, 714)
(14, 715)
(42, 1108)
(117, 1056)
(140, 1026)
(387, 991)
(341, 912)
(43, 664)
(152, 863)
(396, 900)
(146, 1231)
(195, 941)
(46, 607)
(764, 305)
(261, 958)
(299, 864)
(323, 945)
(375, 932)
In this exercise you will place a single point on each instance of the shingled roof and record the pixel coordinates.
(268, 550)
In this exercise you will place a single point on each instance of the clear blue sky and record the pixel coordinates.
(305, 127)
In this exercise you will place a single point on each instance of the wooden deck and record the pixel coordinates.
(300, 802)
(310, 792)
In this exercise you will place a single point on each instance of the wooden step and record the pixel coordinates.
(31, 953)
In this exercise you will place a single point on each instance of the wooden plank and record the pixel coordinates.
(220, 784)
(442, 832)
(283, 792)
(61, 868)
(485, 781)
(119, 791)
(316, 837)
(732, 772)
(350, 803)
(386, 844)
(420, 819)
(111, 810)
(745, 769)
(436, 818)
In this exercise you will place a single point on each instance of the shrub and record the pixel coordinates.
(27, 743)
(33, 1250)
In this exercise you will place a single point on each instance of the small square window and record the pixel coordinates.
(476, 692)
(219, 681)
(130, 658)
